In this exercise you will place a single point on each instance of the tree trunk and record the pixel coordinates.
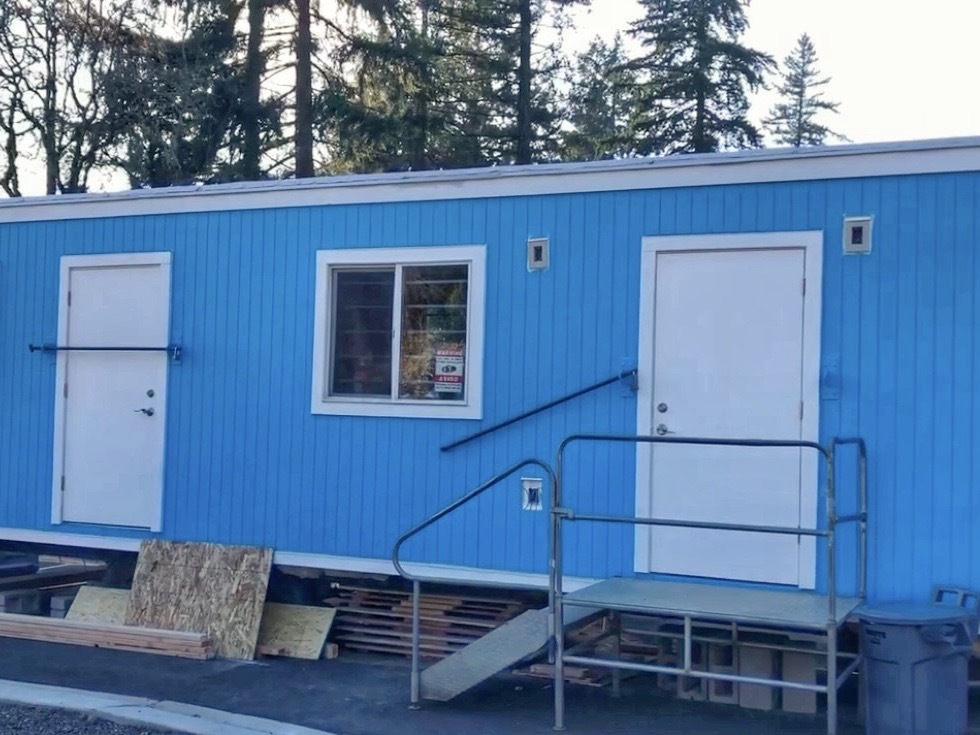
(49, 133)
(420, 154)
(699, 137)
(9, 181)
(251, 169)
(524, 73)
(304, 92)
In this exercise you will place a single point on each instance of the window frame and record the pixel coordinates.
(330, 261)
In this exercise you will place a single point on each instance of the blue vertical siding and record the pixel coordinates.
(246, 462)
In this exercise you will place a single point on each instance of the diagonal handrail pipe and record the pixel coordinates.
(417, 580)
(622, 375)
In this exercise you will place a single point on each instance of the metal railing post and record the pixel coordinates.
(558, 626)
(863, 489)
(557, 588)
(416, 644)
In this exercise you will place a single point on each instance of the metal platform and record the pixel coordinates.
(789, 609)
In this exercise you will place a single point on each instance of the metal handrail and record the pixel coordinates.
(417, 580)
(173, 350)
(543, 407)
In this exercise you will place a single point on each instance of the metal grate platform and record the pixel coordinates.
(789, 609)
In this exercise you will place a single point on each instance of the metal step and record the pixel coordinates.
(511, 643)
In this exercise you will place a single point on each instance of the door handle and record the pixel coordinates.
(144, 411)
(662, 430)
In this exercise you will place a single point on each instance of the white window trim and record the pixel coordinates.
(811, 241)
(327, 260)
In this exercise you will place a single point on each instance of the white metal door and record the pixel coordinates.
(112, 403)
(728, 363)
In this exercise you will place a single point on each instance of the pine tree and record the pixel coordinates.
(697, 75)
(794, 120)
(600, 104)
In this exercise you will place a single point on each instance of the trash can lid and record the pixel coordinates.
(913, 613)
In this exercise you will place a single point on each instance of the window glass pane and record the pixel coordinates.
(363, 308)
(433, 338)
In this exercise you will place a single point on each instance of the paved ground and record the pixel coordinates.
(45, 721)
(368, 696)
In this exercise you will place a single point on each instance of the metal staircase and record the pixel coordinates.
(534, 631)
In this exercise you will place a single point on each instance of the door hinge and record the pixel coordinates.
(804, 287)
(62, 483)
(801, 410)
(69, 298)
(64, 390)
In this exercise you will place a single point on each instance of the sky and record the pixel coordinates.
(901, 69)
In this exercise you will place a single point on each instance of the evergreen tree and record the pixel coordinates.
(600, 104)
(794, 120)
(697, 75)
(441, 84)
(189, 83)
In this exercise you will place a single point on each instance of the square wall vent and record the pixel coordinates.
(537, 254)
(857, 235)
(531, 493)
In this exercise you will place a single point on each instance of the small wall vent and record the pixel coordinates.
(537, 253)
(531, 488)
(857, 235)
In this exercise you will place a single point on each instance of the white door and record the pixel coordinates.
(728, 360)
(112, 403)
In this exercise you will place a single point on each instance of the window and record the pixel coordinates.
(399, 332)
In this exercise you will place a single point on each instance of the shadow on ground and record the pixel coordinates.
(356, 695)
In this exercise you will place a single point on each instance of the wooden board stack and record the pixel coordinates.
(380, 621)
(125, 638)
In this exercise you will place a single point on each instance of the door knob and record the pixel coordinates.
(662, 430)
(144, 411)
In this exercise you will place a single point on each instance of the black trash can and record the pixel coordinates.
(915, 676)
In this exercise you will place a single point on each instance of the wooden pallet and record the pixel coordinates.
(380, 621)
(121, 637)
(53, 576)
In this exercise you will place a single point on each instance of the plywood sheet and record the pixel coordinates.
(202, 587)
(99, 605)
(295, 631)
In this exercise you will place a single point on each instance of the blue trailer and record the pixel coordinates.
(287, 364)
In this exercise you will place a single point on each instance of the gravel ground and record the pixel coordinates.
(17, 720)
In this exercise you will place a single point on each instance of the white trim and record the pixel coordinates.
(327, 562)
(66, 538)
(442, 572)
(472, 408)
(103, 260)
(743, 167)
(69, 262)
(812, 244)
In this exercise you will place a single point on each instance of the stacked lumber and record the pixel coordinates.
(596, 639)
(380, 621)
(54, 576)
(120, 637)
(573, 674)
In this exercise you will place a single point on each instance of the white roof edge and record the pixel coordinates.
(753, 166)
